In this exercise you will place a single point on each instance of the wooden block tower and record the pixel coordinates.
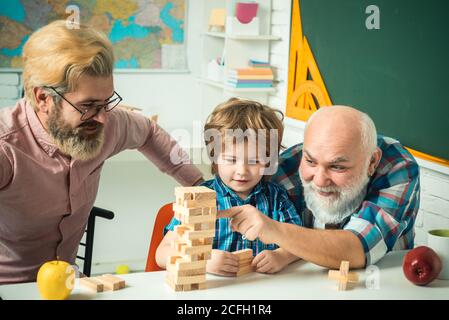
(196, 208)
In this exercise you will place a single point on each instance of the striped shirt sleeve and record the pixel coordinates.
(390, 207)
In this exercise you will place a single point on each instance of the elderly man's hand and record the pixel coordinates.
(250, 222)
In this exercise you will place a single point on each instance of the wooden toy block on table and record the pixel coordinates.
(245, 259)
(196, 208)
(343, 276)
(92, 284)
(103, 283)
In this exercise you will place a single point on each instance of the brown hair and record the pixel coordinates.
(244, 114)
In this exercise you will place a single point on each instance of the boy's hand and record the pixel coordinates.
(222, 263)
(270, 261)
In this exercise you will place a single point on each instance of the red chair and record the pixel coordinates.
(163, 218)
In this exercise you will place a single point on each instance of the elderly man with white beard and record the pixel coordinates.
(357, 193)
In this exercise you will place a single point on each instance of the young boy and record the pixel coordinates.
(239, 135)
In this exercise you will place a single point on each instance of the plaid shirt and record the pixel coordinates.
(385, 220)
(269, 198)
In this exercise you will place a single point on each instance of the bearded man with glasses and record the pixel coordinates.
(54, 142)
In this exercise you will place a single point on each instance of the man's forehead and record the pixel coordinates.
(328, 154)
(94, 88)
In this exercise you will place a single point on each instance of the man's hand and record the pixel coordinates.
(250, 222)
(272, 261)
(222, 263)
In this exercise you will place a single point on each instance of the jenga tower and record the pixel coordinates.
(196, 208)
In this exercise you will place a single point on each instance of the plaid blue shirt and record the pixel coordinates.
(269, 198)
(385, 220)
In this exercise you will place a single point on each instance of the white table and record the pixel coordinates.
(300, 280)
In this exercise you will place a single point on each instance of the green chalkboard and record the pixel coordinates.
(398, 74)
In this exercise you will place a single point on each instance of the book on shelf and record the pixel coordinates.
(249, 81)
(249, 85)
(251, 77)
(250, 71)
(258, 64)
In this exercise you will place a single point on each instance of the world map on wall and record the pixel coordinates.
(146, 34)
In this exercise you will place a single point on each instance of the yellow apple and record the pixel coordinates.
(55, 280)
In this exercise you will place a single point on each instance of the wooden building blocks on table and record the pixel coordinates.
(196, 208)
(92, 284)
(245, 259)
(343, 276)
(103, 283)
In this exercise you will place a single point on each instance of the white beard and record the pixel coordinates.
(335, 208)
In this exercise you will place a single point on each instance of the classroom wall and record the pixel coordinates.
(135, 189)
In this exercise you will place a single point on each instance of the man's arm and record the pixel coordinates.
(323, 247)
(5, 169)
(326, 248)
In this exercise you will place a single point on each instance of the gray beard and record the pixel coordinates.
(70, 141)
(336, 210)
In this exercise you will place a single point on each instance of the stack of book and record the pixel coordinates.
(258, 64)
(260, 77)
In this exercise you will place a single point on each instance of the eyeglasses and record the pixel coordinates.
(90, 110)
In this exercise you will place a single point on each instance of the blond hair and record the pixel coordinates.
(245, 115)
(58, 56)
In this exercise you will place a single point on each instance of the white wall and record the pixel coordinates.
(135, 189)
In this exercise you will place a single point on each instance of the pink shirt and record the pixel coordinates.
(46, 197)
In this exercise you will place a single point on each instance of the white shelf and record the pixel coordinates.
(242, 37)
(236, 90)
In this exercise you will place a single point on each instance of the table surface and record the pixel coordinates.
(300, 280)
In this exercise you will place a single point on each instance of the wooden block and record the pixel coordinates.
(189, 279)
(343, 275)
(244, 254)
(199, 203)
(209, 210)
(108, 284)
(245, 262)
(206, 240)
(336, 275)
(191, 272)
(197, 257)
(205, 195)
(195, 219)
(344, 268)
(180, 229)
(342, 285)
(201, 219)
(111, 282)
(187, 211)
(201, 226)
(175, 287)
(184, 193)
(195, 250)
(189, 265)
(120, 281)
(195, 193)
(91, 283)
(191, 235)
(244, 270)
(174, 259)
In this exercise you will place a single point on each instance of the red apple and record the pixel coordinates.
(421, 265)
